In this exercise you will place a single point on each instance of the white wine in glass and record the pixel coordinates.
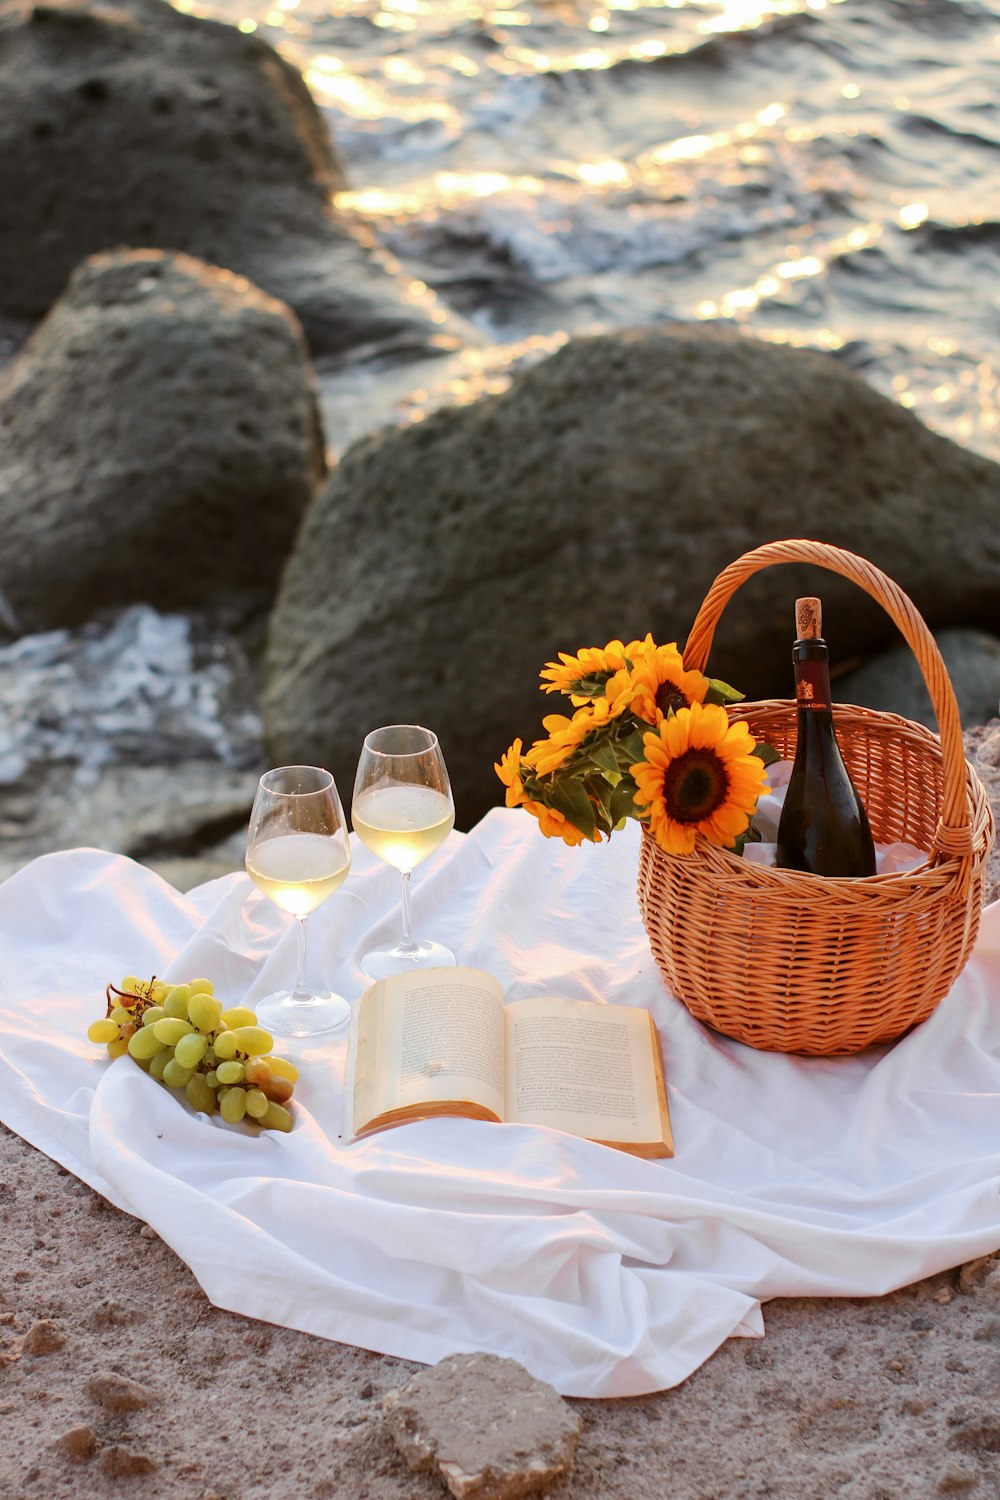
(298, 853)
(402, 811)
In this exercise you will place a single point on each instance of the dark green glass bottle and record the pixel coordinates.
(823, 827)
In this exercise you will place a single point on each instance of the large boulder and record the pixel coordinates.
(893, 681)
(159, 440)
(133, 124)
(598, 497)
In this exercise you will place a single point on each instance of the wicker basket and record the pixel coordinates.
(797, 963)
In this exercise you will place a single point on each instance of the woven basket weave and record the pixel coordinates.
(791, 962)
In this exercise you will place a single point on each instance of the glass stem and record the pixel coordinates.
(301, 991)
(406, 943)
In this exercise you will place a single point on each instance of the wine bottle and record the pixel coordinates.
(823, 827)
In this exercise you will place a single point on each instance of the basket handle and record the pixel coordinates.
(953, 836)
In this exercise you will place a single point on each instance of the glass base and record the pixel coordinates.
(287, 1013)
(379, 963)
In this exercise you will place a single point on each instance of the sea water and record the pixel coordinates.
(818, 172)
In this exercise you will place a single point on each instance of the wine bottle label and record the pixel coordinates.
(812, 684)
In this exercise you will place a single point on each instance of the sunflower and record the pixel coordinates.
(565, 736)
(581, 677)
(657, 685)
(555, 824)
(509, 771)
(699, 775)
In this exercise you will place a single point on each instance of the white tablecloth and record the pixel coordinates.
(603, 1273)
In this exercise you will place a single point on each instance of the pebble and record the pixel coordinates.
(487, 1426)
(956, 1477)
(44, 1337)
(148, 1232)
(118, 1392)
(975, 1271)
(111, 1314)
(117, 1461)
(79, 1442)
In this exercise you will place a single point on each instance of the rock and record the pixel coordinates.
(137, 733)
(79, 1442)
(491, 1430)
(982, 744)
(978, 1433)
(893, 681)
(442, 565)
(161, 440)
(955, 1477)
(118, 1393)
(972, 1275)
(118, 1461)
(43, 1337)
(134, 124)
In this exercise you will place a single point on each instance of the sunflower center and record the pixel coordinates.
(695, 784)
(669, 698)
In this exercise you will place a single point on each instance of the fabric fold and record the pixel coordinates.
(606, 1274)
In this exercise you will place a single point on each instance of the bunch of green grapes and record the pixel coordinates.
(180, 1034)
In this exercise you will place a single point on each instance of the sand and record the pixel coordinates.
(880, 1398)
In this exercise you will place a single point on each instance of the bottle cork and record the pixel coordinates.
(808, 619)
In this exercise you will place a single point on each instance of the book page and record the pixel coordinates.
(588, 1069)
(426, 1042)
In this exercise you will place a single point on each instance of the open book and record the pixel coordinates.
(442, 1042)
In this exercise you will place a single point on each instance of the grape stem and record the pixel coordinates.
(124, 996)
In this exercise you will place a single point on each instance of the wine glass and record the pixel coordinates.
(402, 811)
(298, 853)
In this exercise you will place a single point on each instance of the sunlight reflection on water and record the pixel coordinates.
(807, 169)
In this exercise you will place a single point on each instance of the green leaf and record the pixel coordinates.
(603, 756)
(622, 803)
(630, 750)
(721, 692)
(766, 753)
(570, 798)
(591, 686)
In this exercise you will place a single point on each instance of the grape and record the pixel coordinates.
(176, 1003)
(232, 1105)
(279, 1090)
(283, 1068)
(144, 1044)
(199, 1095)
(204, 1011)
(171, 1028)
(174, 1076)
(239, 1015)
(253, 1040)
(225, 1045)
(257, 1103)
(182, 1037)
(190, 1050)
(277, 1118)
